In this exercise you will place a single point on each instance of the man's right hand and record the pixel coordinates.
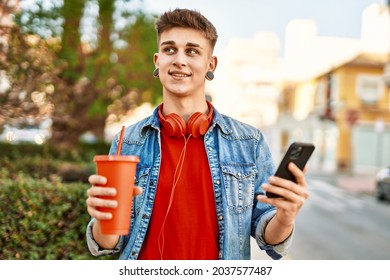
(96, 191)
(94, 201)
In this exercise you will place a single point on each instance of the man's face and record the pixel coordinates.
(184, 57)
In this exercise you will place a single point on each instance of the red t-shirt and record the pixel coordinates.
(190, 230)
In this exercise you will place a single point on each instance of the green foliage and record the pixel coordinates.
(42, 201)
(46, 162)
(142, 44)
(81, 153)
(97, 108)
(77, 80)
(42, 219)
(42, 18)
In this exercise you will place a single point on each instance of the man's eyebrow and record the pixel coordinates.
(189, 44)
(167, 43)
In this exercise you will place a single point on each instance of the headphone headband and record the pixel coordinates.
(196, 126)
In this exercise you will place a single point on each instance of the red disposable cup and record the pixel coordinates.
(120, 173)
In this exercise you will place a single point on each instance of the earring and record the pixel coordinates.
(209, 75)
(156, 73)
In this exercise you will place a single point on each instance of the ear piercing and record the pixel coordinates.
(156, 73)
(209, 75)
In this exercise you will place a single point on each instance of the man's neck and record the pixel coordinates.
(184, 107)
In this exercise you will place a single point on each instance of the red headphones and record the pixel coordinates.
(196, 126)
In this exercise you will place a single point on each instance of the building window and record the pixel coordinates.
(369, 89)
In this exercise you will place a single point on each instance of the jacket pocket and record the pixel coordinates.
(141, 180)
(239, 184)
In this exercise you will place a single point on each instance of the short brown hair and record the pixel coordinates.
(187, 19)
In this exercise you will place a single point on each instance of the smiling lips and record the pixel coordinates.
(179, 74)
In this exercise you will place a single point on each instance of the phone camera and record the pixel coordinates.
(295, 154)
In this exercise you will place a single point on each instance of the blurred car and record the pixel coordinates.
(383, 184)
(30, 134)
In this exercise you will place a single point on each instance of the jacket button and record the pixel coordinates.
(133, 253)
(221, 217)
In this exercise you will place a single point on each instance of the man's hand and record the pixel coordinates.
(94, 201)
(293, 196)
(96, 191)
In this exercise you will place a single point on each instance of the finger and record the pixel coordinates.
(95, 191)
(95, 179)
(94, 204)
(278, 202)
(264, 199)
(281, 183)
(284, 188)
(291, 206)
(99, 215)
(101, 202)
(137, 190)
(298, 173)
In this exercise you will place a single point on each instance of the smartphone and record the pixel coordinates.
(298, 153)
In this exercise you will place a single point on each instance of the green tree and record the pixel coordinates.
(85, 77)
(25, 62)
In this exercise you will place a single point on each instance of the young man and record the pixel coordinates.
(202, 175)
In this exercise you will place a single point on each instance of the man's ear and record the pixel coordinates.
(213, 63)
(155, 60)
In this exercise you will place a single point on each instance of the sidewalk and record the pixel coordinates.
(359, 182)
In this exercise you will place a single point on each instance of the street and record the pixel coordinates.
(336, 224)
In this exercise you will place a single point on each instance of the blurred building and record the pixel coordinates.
(247, 83)
(338, 84)
(325, 90)
(248, 72)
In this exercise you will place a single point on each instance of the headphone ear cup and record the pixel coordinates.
(197, 125)
(175, 125)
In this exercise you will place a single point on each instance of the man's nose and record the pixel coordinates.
(180, 59)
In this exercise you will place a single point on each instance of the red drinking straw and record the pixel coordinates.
(118, 150)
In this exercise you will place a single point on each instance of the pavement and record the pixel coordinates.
(358, 181)
(362, 183)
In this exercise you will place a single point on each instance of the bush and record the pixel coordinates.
(81, 152)
(45, 161)
(42, 219)
(42, 215)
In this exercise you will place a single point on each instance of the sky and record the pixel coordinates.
(247, 17)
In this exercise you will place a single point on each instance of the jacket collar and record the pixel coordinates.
(154, 123)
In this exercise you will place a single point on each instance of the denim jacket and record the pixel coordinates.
(240, 161)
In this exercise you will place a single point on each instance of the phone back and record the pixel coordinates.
(299, 153)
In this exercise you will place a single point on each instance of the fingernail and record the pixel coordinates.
(111, 191)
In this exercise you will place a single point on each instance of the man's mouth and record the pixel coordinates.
(179, 74)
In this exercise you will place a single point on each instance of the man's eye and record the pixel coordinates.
(169, 50)
(192, 51)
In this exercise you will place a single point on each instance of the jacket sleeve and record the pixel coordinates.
(94, 247)
(263, 213)
(274, 251)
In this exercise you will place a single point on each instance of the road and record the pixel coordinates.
(335, 224)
